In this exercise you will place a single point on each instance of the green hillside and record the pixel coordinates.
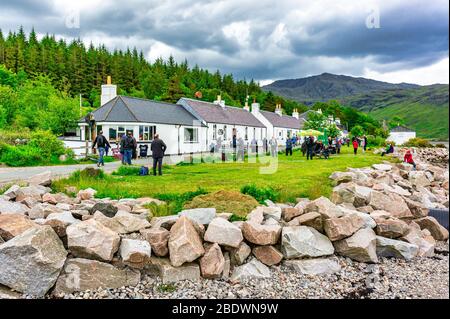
(424, 109)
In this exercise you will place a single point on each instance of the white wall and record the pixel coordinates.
(400, 138)
(258, 132)
(172, 135)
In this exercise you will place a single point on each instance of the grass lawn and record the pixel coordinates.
(295, 177)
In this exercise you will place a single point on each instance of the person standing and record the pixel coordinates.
(310, 148)
(273, 147)
(240, 150)
(102, 144)
(158, 148)
(355, 145)
(338, 145)
(289, 143)
(121, 150)
(128, 144)
(365, 143)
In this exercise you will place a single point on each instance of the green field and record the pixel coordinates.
(295, 177)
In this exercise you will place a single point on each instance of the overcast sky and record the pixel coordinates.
(393, 40)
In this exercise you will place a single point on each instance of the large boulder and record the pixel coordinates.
(31, 262)
(202, 216)
(419, 179)
(382, 167)
(432, 225)
(85, 274)
(416, 237)
(254, 269)
(33, 191)
(14, 225)
(212, 263)
(135, 253)
(60, 221)
(90, 239)
(342, 177)
(342, 227)
(303, 241)
(240, 254)
(361, 246)
(10, 193)
(122, 222)
(256, 216)
(86, 194)
(42, 210)
(169, 274)
(268, 255)
(224, 233)
(316, 266)
(324, 207)
(312, 219)
(165, 221)
(107, 209)
(185, 244)
(290, 213)
(387, 247)
(158, 239)
(261, 234)
(273, 212)
(43, 179)
(369, 222)
(417, 209)
(7, 207)
(391, 227)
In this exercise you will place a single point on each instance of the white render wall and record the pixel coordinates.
(258, 132)
(280, 133)
(172, 135)
(400, 138)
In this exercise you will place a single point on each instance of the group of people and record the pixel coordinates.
(359, 142)
(128, 150)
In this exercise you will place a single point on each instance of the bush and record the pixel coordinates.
(375, 141)
(22, 155)
(47, 143)
(127, 171)
(225, 201)
(418, 142)
(87, 173)
(260, 193)
(162, 209)
(177, 201)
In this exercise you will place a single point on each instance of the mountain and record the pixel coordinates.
(424, 108)
(324, 87)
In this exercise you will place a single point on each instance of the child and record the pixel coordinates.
(355, 146)
(409, 159)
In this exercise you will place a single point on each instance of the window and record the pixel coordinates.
(224, 132)
(120, 132)
(246, 133)
(191, 135)
(99, 128)
(254, 133)
(113, 133)
(146, 133)
(214, 132)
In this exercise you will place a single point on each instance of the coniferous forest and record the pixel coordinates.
(75, 69)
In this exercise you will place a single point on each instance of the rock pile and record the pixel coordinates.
(54, 244)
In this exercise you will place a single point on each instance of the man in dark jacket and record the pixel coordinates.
(158, 149)
(102, 143)
(310, 144)
(128, 144)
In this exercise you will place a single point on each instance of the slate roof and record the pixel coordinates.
(401, 128)
(284, 121)
(131, 109)
(213, 113)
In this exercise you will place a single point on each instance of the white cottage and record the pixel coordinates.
(225, 123)
(278, 124)
(180, 130)
(401, 134)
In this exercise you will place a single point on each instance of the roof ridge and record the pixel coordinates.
(114, 104)
(147, 100)
(128, 108)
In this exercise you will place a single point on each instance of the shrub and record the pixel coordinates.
(375, 141)
(225, 201)
(260, 193)
(127, 171)
(88, 173)
(418, 142)
(177, 200)
(162, 209)
(47, 143)
(22, 155)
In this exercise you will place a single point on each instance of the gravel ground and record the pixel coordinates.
(391, 278)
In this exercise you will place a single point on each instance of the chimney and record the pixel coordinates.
(278, 110)
(109, 92)
(219, 101)
(255, 107)
(246, 107)
(295, 114)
